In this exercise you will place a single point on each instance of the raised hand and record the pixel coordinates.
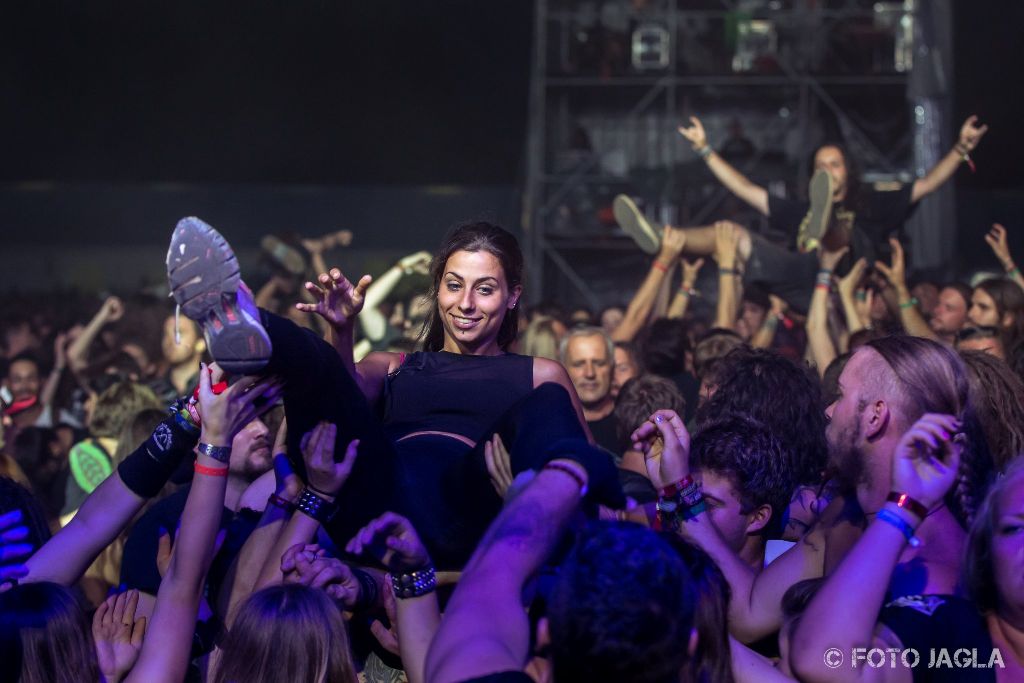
(848, 283)
(323, 474)
(828, 260)
(310, 566)
(416, 263)
(392, 541)
(694, 133)
(727, 239)
(665, 443)
(112, 309)
(12, 549)
(387, 636)
(118, 634)
(996, 240)
(499, 465)
(778, 306)
(690, 271)
(971, 133)
(896, 273)
(927, 459)
(336, 300)
(225, 414)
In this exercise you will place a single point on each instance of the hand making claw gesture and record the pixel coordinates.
(336, 299)
(694, 133)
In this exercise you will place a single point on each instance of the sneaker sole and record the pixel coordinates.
(633, 222)
(821, 208)
(204, 279)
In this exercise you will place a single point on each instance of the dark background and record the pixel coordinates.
(118, 118)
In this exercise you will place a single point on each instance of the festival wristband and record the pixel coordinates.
(907, 503)
(568, 469)
(660, 266)
(211, 471)
(150, 466)
(414, 584)
(909, 303)
(315, 507)
(895, 520)
(218, 453)
(676, 487)
(280, 502)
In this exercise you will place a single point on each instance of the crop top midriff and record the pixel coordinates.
(454, 393)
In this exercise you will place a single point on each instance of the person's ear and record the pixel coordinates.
(1007, 321)
(200, 346)
(513, 298)
(875, 419)
(759, 518)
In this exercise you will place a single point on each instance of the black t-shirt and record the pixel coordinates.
(606, 436)
(875, 215)
(932, 623)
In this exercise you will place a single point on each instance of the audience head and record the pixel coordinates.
(834, 158)
(587, 354)
(745, 476)
(994, 560)
(182, 343)
(14, 496)
(949, 314)
(622, 609)
(287, 632)
(23, 376)
(117, 404)
(927, 295)
(753, 310)
(627, 366)
(709, 355)
(610, 317)
(477, 279)
(640, 398)
(542, 338)
(999, 302)
(46, 635)
(664, 347)
(783, 396)
(581, 316)
(251, 451)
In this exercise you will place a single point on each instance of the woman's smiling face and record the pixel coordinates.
(472, 300)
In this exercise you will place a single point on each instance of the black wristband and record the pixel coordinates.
(315, 507)
(150, 466)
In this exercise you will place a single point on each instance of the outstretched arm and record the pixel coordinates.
(485, 628)
(896, 274)
(970, 135)
(78, 351)
(681, 300)
(672, 242)
(996, 239)
(165, 658)
(822, 349)
(371, 319)
(726, 241)
(734, 181)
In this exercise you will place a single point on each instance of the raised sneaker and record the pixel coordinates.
(815, 225)
(634, 223)
(204, 279)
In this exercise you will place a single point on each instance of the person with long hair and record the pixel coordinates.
(425, 458)
(997, 395)
(999, 303)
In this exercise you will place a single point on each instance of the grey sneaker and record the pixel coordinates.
(203, 275)
(815, 225)
(635, 224)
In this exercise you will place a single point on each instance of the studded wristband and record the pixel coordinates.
(414, 584)
(315, 507)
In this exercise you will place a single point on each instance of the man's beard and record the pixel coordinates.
(846, 459)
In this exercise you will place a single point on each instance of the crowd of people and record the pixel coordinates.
(427, 476)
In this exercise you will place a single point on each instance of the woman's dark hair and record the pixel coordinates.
(780, 394)
(997, 395)
(45, 636)
(480, 236)
(1008, 298)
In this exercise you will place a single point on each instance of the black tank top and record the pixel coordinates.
(450, 392)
